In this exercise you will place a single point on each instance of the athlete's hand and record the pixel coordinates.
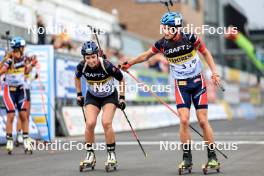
(34, 61)
(216, 79)
(125, 66)
(80, 101)
(122, 103)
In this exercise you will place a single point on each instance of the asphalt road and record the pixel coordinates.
(247, 135)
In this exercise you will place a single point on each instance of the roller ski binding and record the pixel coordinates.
(88, 162)
(212, 163)
(9, 146)
(28, 146)
(186, 164)
(111, 163)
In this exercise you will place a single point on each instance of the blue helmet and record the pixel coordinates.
(17, 42)
(173, 19)
(89, 48)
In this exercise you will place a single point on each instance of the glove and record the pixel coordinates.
(122, 103)
(80, 101)
(125, 66)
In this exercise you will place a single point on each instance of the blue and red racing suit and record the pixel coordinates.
(14, 92)
(185, 68)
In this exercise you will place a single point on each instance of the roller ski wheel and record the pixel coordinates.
(28, 151)
(207, 167)
(183, 168)
(9, 152)
(110, 166)
(17, 144)
(88, 162)
(84, 166)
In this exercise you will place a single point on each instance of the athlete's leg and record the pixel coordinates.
(201, 104)
(9, 123)
(10, 109)
(107, 119)
(184, 114)
(91, 114)
(204, 124)
(183, 100)
(18, 127)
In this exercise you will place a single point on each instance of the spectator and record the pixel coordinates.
(41, 31)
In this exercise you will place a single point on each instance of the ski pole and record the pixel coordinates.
(43, 103)
(83, 114)
(167, 4)
(134, 134)
(165, 104)
(7, 40)
(96, 32)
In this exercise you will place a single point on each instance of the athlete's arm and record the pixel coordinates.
(78, 85)
(3, 70)
(210, 61)
(142, 57)
(5, 66)
(139, 59)
(7, 56)
(30, 63)
(78, 75)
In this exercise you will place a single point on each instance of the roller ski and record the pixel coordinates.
(28, 146)
(88, 162)
(186, 164)
(212, 163)
(9, 146)
(111, 163)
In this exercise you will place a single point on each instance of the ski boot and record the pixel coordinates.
(27, 146)
(9, 145)
(19, 139)
(186, 164)
(89, 161)
(212, 163)
(111, 162)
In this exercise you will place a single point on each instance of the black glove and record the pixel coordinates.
(80, 101)
(122, 103)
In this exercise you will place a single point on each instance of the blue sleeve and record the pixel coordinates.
(78, 71)
(157, 47)
(8, 63)
(113, 70)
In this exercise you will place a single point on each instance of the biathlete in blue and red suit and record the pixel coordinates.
(15, 68)
(181, 50)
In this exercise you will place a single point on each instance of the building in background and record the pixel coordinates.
(143, 16)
